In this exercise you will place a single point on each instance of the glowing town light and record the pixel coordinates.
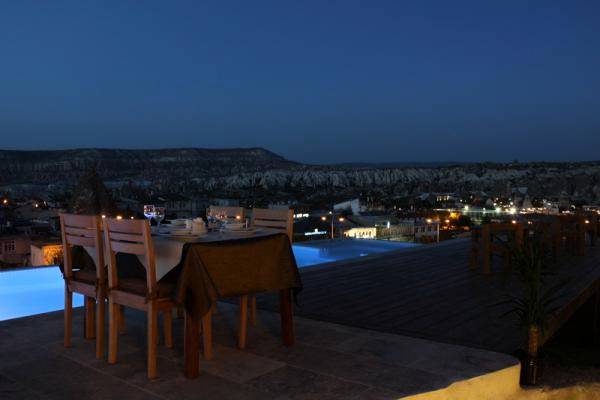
(428, 220)
(587, 221)
(103, 216)
(513, 210)
(341, 219)
(447, 221)
(130, 217)
(498, 209)
(5, 201)
(466, 208)
(119, 217)
(323, 218)
(514, 221)
(238, 217)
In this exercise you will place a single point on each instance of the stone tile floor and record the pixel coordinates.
(328, 362)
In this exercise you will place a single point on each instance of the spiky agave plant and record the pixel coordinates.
(536, 302)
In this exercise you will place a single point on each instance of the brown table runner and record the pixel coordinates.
(231, 268)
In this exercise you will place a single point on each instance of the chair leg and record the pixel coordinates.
(168, 328)
(68, 322)
(152, 338)
(207, 335)
(253, 309)
(113, 331)
(243, 321)
(100, 320)
(121, 320)
(90, 311)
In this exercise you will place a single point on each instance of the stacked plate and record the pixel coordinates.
(235, 226)
(239, 229)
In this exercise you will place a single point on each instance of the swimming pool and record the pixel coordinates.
(32, 291)
(324, 251)
(39, 290)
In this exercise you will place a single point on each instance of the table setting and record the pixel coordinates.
(213, 259)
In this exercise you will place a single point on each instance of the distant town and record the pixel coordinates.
(359, 202)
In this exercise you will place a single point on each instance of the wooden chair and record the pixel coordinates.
(276, 219)
(84, 230)
(133, 237)
(232, 214)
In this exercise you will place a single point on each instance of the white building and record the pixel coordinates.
(354, 205)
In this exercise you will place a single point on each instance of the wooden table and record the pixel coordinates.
(192, 325)
(169, 254)
(192, 334)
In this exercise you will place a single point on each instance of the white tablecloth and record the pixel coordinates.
(167, 250)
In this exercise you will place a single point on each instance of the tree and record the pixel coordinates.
(90, 196)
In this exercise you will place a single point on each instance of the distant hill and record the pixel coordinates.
(416, 164)
(239, 173)
(42, 166)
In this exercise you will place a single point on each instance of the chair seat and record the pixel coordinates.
(85, 276)
(139, 286)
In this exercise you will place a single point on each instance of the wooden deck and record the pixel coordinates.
(430, 292)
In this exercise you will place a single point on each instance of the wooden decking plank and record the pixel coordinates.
(430, 293)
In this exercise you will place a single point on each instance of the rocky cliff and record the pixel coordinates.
(238, 171)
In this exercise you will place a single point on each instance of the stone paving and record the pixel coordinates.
(329, 361)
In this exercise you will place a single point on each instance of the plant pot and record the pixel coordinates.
(530, 370)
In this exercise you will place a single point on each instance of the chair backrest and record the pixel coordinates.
(129, 236)
(86, 231)
(278, 219)
(228, 212)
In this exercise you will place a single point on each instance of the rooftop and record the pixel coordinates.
(402, 324)
(329, 361)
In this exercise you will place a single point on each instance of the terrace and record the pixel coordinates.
(408, 323)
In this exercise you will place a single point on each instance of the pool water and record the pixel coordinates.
(32, 291)
(324, 251)
(39, 290)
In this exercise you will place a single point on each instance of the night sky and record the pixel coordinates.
(315, 81)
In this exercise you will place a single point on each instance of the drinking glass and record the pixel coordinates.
(149, 211)
(159, 215)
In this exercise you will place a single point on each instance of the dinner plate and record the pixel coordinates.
(235, 227)
(178, 222)
(243, 232)
(180, 232)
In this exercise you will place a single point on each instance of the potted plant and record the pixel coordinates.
(534, 303)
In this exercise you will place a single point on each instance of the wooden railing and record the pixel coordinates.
(559, 233)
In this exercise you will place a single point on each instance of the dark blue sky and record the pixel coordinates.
(315, 81)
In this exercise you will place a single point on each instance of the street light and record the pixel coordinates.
(429, 221)
(340, 219)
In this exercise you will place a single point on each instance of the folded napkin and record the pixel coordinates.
(198, 226)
